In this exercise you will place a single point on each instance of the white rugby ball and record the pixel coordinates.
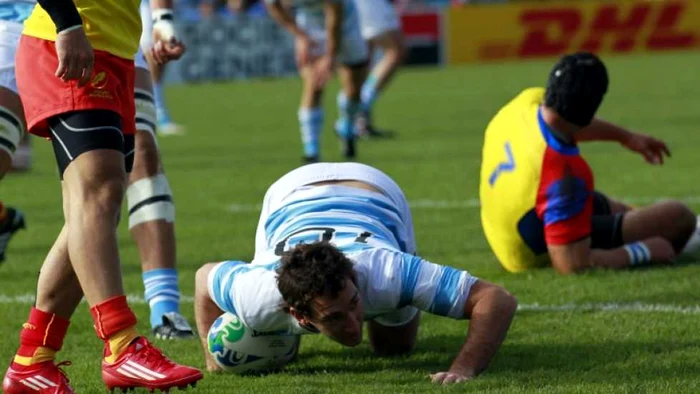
(240, 350)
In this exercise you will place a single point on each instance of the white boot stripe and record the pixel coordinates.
(136, 373)
(37, 383)
(145, 370)
(125, 373)
(31, 386)
(43, 379)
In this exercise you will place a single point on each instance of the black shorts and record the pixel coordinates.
(75, 133)
(606, 227)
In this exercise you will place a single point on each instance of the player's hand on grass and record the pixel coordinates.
(303, 48)
(75, 56)
(324, 71)
(651, 148)
(445, 378)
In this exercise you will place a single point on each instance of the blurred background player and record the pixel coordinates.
(364, 268)
(15, 150)
(149, 197)
(326, 31)
(538, 200)
(92, 136)
(165, 124)
(381, 28)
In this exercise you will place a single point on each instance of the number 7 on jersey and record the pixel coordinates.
(504, 166)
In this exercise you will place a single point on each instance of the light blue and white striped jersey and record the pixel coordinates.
(340, 214)
(16, 10)
(387, 280)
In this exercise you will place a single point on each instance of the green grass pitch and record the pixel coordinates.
(243, 136)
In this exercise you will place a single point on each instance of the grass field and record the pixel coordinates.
(633, 331)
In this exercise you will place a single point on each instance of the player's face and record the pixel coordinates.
(340, 318)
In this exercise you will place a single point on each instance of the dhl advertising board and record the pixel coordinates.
(480, 33)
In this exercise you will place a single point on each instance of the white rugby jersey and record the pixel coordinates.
(387, 280)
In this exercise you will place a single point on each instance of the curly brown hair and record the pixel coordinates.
(311, 270)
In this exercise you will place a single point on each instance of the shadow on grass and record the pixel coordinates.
(609, 360)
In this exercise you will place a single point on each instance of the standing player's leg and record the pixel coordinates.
(152, 218)
(353, 59)
(90, 138)
(12, 125)
(310, 112)
(381, 28)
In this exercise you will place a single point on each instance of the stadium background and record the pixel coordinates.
(631, 331)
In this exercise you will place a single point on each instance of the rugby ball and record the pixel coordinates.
(240, 350)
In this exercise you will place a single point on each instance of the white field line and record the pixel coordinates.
(610, 307)
(471, 203)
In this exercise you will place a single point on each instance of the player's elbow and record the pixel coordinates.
(202, 277)
(507, 302)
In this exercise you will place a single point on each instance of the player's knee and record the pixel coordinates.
(100, 196)
(146, 157)
(681, 222)
(396, 54)
(150, 199)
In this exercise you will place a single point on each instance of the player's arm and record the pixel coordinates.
(284, 18)
(568, 220)
(205, 311)
(577, 256)
(73, 50)
(651, 148)
(490, 310)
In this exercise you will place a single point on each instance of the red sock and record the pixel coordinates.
(42, 336)
(115, 324)
(3, 212)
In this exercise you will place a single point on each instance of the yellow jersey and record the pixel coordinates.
(535, 189)
(112, 26)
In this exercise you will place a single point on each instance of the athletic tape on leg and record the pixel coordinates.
(11, 130)
(150, 199)
(145, 111)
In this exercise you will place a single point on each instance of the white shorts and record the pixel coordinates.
(319, 172)
(353, 48)
(377, 17)
(10, 33)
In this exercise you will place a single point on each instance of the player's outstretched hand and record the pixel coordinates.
(445, 378)
(75, 56)
(651, 148)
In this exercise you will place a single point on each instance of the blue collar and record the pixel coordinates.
(551, 139)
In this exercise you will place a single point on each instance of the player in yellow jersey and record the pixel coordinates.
(539, 206)
(75, 74)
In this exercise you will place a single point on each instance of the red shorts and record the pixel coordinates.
(44, 95)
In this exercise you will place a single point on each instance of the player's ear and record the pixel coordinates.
(303, 320)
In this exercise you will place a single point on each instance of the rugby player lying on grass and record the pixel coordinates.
(539, 205)
(334, 248)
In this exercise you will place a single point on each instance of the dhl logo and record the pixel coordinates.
(538, 31)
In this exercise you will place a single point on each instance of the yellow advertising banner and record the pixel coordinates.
(477, 33)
